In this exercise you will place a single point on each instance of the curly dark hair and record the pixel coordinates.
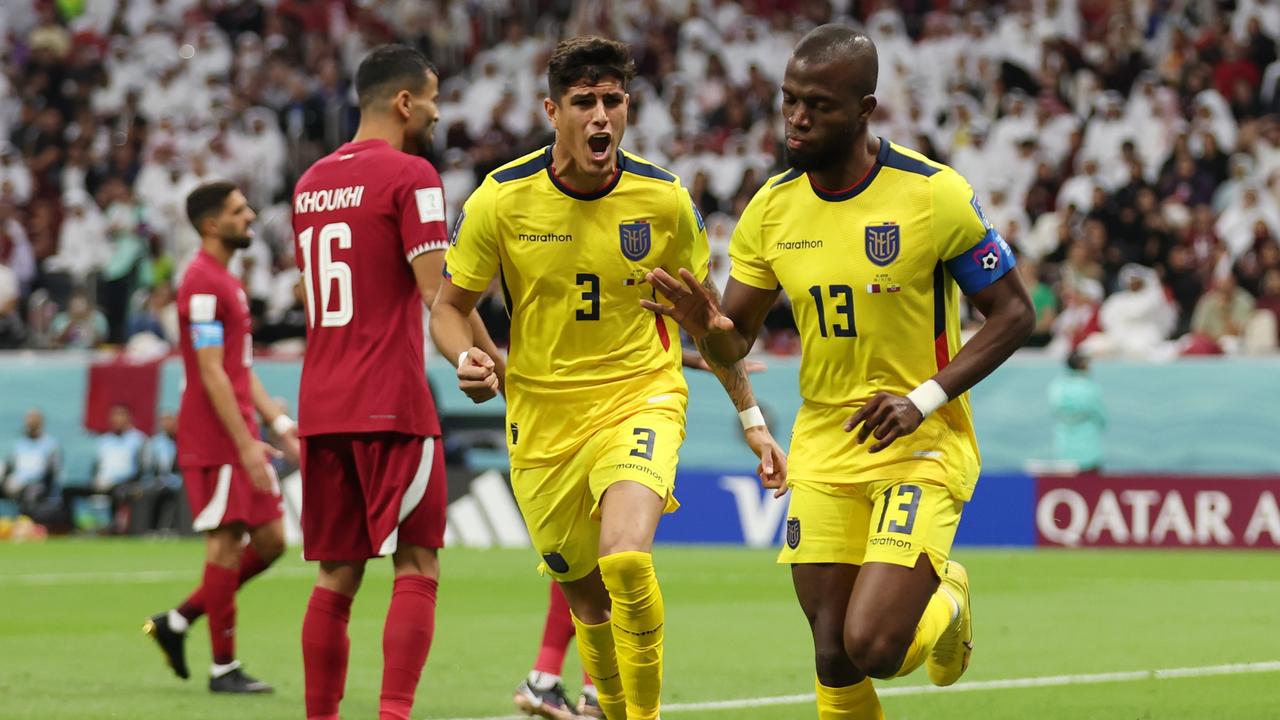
(590, 58)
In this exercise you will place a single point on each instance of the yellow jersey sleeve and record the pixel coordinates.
(972, 249)
(748, 263)
(691, 237)
(472, 259)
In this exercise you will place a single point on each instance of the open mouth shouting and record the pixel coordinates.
(599, 144)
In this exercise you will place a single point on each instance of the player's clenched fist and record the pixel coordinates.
(477, 375)
(888, 417)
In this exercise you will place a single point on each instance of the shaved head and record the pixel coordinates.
(842, 46)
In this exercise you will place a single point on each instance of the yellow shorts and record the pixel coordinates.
(889, 521)
(561, 502)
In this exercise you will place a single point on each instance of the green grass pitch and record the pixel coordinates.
(71, 644)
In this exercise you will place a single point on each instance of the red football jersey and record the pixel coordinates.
(212, 310)
(360, 216)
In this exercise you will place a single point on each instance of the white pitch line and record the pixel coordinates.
(1010, 684)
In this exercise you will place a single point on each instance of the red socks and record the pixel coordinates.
(324, 652)
(406, 640)
(250, 566)
(555, 635)
(219, 590)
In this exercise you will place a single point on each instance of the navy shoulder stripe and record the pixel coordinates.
(529, 167)
(646, 170)
(792, 174)
(898, 161)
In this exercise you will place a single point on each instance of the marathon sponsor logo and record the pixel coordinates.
(799, 244)
(890, 541)
(313, 201)
(545, 237)
(641, 468)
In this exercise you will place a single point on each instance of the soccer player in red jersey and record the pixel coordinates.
(230, 484)
(369, 220)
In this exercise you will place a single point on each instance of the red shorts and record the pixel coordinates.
(220, 495)
(364, 493)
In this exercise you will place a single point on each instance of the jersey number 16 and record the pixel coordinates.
(331, 273)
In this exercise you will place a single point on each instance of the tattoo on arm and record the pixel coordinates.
(732, 377)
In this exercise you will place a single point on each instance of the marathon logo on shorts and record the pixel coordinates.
(635, 238)
(883, 243)
(556, 562)
(515, 433)
(793, 533)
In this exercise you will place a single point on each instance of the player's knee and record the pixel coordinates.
(876, 653)
(416, 560)
(269, 546)
(833, 666)
(626, 571)
(342, 578)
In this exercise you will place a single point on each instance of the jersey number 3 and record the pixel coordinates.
(335, 310)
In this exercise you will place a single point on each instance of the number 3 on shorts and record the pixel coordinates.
(644, 443)
(909, 507)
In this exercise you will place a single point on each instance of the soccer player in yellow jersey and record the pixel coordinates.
(873, 244)
(595, 395)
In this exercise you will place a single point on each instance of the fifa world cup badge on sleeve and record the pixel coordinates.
(635, 239)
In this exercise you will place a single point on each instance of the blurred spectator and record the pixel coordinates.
(1220, 318)
(83, 249)
(11, 331)
(1044, 300)
(160, 467)
(157, 316)
(117, 468)
(1079, 416)
(81, 325)
(128, 267)
(1268, 311)
(1078, 319)
(34, 465)
(1136, 321)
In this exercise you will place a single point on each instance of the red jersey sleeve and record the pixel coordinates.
(420, 202)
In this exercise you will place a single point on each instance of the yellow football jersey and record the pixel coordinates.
(873, 273)
(583, 353)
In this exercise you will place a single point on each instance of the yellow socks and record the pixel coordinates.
(595, 646)
(638, 618)
(936, 618)
(856, 702)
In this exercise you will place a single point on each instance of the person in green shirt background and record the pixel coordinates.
(1080, 417)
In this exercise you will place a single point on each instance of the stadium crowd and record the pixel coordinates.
(1129, 151)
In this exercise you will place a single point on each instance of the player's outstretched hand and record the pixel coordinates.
(888, 417)
(773, 462)
(477, 376)
(254, 458)
(696, 309)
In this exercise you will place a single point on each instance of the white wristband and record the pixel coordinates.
(282, 424)
(751, 417)
(929, 396)
(462, 359)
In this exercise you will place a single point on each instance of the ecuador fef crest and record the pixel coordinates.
(793, 533)
(635, 239)
(883, 242)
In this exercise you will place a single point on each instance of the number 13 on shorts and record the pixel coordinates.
(910, 518)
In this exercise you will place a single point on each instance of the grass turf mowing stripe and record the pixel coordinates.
(1009, 684)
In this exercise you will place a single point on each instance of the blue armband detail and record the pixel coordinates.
(981, 265)
(206, 334)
